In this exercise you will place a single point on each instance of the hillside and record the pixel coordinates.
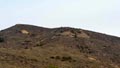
(28, 46)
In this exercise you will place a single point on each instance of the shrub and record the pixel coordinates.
(52, 57)
(57, 57)
(1, 39)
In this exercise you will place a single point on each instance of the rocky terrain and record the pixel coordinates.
(28, 46)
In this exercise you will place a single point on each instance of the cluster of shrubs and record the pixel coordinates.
(64, 58)
(84, 49)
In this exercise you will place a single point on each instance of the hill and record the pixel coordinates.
(28, 46)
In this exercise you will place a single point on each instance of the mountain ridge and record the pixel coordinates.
(58, 28)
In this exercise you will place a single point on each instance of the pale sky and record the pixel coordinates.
(96, 15)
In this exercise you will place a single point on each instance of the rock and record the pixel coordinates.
(24, 32)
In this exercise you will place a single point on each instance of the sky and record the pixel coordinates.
(96, 15)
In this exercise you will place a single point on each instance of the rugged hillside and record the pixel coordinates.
(27, 46)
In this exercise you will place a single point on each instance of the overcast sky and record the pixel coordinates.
(96, 15)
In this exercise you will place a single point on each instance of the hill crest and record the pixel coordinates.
(63, 47)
